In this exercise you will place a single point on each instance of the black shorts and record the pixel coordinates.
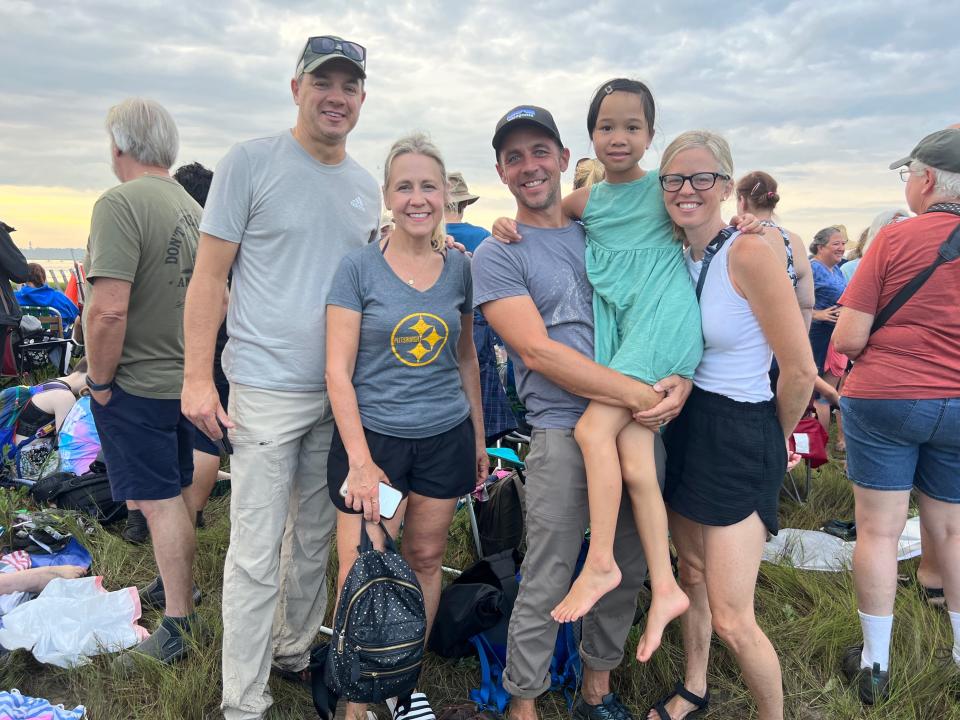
(725, 460)
(441, 466)
(200, 441)
(147, 445)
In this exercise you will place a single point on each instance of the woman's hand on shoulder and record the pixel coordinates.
(505, 230)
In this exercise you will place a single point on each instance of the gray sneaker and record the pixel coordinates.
(872, 683)
(168, 645)
(154, 597)
(610, 708)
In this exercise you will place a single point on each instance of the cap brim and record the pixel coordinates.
(521, 122)
(900, 163)
(468, 199)
(325, 59)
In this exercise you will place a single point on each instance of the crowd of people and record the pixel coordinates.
(663, 353)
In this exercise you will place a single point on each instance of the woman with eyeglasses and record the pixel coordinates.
(727, 450)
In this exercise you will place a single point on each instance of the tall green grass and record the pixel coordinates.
(810, 617)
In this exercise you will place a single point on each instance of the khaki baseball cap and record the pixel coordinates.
(459, 192)
(940, 150)
(322, 49)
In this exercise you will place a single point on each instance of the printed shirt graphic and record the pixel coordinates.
(145, 232)
(407, 377)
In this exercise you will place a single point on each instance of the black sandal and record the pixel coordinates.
(700, 703)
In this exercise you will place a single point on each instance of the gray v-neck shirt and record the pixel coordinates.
(407, 375)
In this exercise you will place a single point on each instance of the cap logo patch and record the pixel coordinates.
(521, 113)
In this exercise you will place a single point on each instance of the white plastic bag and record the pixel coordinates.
(72, 620)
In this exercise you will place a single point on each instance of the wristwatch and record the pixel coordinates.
(98, 387)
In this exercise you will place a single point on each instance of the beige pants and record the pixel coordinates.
(281, 519)
(557, 516)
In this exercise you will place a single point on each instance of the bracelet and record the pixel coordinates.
(98, 387)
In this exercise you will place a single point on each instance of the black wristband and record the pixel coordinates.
(98, 387)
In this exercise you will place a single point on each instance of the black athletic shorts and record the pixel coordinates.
(725, 460)
(441, 466)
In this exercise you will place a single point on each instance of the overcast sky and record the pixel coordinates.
(821, 94)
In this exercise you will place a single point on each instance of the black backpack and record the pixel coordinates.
(479, 600)
(88, 493)
(378, 632)
(500, 518)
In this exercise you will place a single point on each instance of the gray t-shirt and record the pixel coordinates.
(295, 219)
(407, 376)
(548, 265)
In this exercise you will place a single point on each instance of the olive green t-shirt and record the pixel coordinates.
(145, 232)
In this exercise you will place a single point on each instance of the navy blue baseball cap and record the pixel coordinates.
(525, 115)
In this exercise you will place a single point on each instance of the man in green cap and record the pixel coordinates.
(295, 203)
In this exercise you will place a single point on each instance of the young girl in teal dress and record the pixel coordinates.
(647, 326)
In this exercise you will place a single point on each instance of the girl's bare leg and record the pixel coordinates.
(596, 433)
(635, 445)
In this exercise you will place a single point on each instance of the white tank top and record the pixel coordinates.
(736, 354)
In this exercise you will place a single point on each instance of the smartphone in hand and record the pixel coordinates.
(390, 499)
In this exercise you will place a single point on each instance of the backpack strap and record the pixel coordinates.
(491, 695)
(713, 247)
(366, 544)
(948, 251)
(565, 665)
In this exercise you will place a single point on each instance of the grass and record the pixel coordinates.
(810, 617)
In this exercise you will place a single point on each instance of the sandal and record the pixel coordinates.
(700, 703)
(934, 597)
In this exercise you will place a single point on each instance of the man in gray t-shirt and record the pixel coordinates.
(282, 211)
(536, 296)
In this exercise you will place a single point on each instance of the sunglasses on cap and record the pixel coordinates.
(330, 45)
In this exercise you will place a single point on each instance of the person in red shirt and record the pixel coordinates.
(901, 403)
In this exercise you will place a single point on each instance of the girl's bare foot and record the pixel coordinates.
(667, 604)
(591, 585)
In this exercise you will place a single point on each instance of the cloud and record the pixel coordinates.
(820, 94)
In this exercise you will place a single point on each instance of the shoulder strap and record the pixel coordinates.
(713, 247)
(491, 694)
(948, 251)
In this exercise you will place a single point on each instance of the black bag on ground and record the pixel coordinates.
(500, 518)
(481, 599)
(378, 633)
(88, 493)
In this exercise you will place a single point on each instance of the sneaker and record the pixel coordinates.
(168, 644)
(872, 683)
(153, 595)
(136, 531)
(610, 708)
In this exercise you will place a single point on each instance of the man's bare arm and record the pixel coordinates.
(106, 321)
(517, 321)
(202, 316)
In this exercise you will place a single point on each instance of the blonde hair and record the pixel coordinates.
(588, 172)
(712, 143)
(420, 144)
(144, 130)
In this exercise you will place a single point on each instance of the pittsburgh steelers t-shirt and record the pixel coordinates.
(407, 378)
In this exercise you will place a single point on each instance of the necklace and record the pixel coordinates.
(383, 251)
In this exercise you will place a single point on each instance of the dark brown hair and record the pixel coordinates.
(38, 276)
(759, 190)
(622, 85)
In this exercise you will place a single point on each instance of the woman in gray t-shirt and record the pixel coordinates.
(402, 376)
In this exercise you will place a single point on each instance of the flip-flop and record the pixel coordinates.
(700, 703)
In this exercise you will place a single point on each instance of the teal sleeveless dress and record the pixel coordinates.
(646, 316)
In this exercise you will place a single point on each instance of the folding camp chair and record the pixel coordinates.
(35, 353)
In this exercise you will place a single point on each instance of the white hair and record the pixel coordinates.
(144, 130)
(945, 183)
(879, 222)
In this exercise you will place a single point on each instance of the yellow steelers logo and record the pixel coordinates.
(418, 339)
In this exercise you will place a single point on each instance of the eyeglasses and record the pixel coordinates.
(329, 45)
(698, 181)
(905, 173)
